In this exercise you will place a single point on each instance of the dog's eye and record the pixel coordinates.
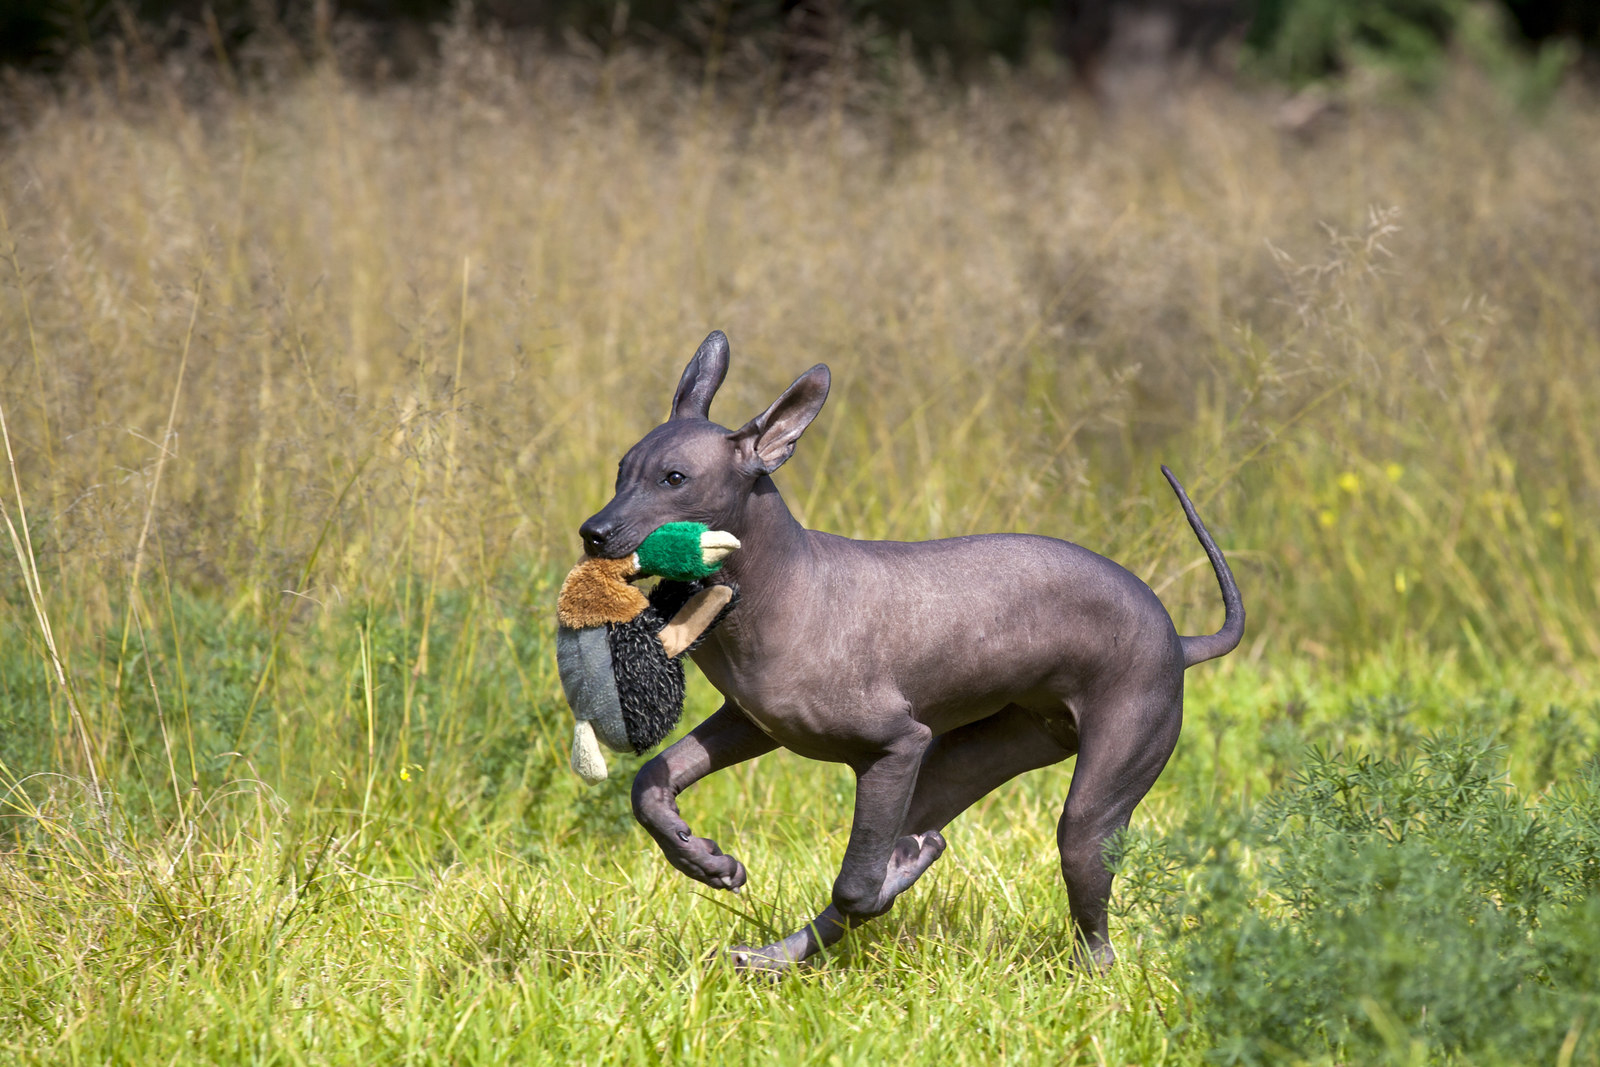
(675, 478)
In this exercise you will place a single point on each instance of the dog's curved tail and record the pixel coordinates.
(1225, 640)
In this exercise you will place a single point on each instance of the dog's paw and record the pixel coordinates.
(1095, 962)
(912, 855)
(769, 963)
(702, 860)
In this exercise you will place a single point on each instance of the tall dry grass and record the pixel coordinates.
(318, 341)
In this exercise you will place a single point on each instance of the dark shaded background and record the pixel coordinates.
(961, 36)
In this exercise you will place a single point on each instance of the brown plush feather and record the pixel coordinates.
(596, 592)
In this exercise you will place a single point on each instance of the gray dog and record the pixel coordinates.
(936, 670)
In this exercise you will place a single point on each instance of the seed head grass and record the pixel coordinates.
(308, 380)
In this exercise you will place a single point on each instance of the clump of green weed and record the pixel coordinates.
(1388, 906)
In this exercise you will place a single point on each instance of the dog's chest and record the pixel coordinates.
(817, 709)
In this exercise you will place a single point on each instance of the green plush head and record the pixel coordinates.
(684, 551)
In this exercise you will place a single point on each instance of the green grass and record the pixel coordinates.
(307, 388)
(457, 895)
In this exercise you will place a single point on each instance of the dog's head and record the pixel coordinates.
(691, 469)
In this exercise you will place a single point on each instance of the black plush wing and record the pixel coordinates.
(668, 598)
(649, 685)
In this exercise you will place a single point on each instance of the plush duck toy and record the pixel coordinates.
(620, 652)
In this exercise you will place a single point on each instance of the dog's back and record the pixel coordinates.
(945, 631)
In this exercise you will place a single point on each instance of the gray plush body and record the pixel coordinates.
(936, 670)
(583, 659)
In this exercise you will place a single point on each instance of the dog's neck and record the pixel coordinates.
(774, 547)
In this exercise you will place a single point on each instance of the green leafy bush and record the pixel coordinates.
(1388, 907)
(1301, 40)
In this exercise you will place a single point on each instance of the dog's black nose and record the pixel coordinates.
(594, 536)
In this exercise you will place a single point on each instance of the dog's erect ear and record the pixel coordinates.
(701, 378)
(762, 444)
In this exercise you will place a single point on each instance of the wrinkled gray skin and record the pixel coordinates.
(936, 670)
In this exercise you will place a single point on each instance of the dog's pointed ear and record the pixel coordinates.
(701, 378)
(762, 444)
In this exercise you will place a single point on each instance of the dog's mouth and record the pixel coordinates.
(608, 549)
(604, 541)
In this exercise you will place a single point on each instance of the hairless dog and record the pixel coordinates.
(936, 670)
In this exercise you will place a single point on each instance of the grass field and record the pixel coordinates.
(307, 385)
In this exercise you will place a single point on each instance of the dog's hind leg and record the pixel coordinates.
(958, 768)
(1123, 745)
(971, 761)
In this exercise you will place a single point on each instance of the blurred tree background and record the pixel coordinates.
(1297, 41)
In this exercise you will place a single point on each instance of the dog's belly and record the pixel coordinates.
(832, 710)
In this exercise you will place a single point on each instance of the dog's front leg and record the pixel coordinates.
(726, 738)
(878, 866)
